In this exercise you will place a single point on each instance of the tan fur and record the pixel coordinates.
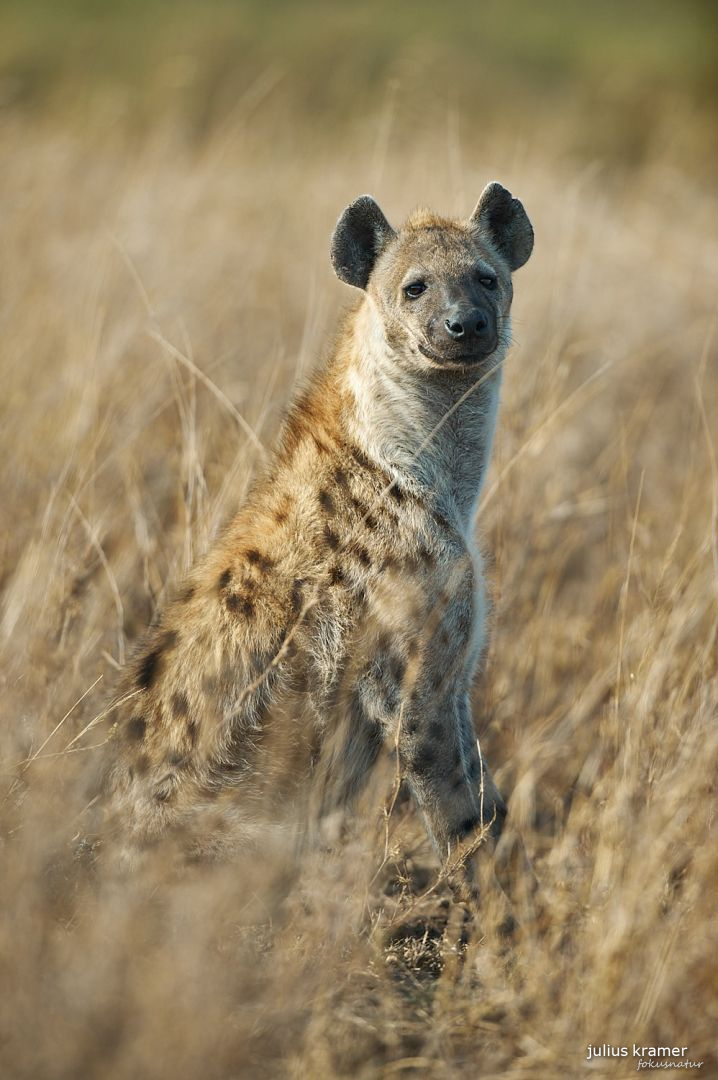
(343, 609)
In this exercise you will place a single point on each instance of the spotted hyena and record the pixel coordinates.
(343, 609)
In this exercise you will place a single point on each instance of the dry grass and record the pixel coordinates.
(159, 302)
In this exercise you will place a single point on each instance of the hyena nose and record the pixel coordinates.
(471, 324)
(454, 328)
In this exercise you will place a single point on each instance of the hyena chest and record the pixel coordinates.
(384, 641)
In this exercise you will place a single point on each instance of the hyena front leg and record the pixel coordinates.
(510, 867)
(452, 785)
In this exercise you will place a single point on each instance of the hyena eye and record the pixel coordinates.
(488, 281)
(415, 289)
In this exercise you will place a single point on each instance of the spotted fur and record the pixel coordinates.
(343, 610)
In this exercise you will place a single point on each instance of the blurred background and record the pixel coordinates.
(617, 78)
(170, 175)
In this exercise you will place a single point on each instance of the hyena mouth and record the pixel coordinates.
(462, 361)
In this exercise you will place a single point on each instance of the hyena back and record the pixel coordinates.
(344, 605)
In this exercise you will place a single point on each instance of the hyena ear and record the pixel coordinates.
(506, 223)
(360, 235)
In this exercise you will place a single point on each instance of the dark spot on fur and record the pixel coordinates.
(326, 501)
(256, 558)
(136, 728)
(468, 826)
(340, 477)
(297, 595)
(331, 538)
(187, 594)
(281, 513)
(224, 579)
(363, 555)
(360, 458)
(175, 758)
(148, 669)
(423, 757)
(180, 705)
(238, 604)
(357, 504)
(427, 557)
(170, 639)
(396, 493)
(370, 522)
(336, 574)
(397, 667)
(192, 732)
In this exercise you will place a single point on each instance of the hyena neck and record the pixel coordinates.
(431, 430)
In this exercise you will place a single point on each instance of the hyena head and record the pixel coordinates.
(442, 288)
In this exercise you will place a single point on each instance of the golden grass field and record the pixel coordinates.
(161, 296)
